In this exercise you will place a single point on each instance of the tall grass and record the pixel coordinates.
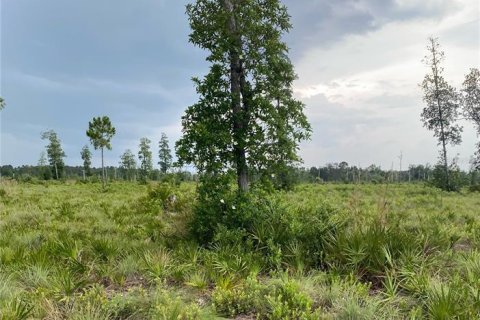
(68, 251)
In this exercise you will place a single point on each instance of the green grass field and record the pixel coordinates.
(72, 251)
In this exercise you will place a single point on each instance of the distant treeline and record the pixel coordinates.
(331, 173)
(342, 172)
(78, 173)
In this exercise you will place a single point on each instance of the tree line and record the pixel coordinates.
(330, 173)
(51, 164)
(32, 173)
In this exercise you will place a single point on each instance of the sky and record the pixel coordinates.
(359, 63)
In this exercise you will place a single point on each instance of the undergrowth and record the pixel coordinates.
(69, 251)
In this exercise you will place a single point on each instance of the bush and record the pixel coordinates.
(243, 299)
(458, 179)
(287, 301)
(281, 236)
(474, 188)
(219, 205)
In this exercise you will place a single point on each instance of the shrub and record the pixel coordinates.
(169, 307)
(474, 188)
(234, 302)
(287, 301)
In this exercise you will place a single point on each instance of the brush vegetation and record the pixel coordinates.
(73, 251)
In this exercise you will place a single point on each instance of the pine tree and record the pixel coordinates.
(442, 110)
(55, 153)
(128, 165)
(164, 154)
(86, 155)
(101, 131)
(145, 157)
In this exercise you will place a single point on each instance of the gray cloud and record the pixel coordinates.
(321, 23)
(64, 62)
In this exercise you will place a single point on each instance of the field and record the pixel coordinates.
(71, 251)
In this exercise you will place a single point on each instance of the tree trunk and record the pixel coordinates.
(239, 112)
(103, 172)
(56, 171)
(445, 160)
(439, 106)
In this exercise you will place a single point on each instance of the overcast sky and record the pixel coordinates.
(358, 61)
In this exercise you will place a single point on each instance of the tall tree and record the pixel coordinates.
(471, 105)
(45, 173)
(86, 155)
(42, 161)
(145, 157)
(164, 154)
(128, 164)
(100, 131)
(55, 153)
(246, 118)
(442, 110)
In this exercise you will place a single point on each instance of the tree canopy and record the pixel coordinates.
(101, 131)
(128, 164)
(86, 155)
(145, 157)
(55, 153)
(471, 104)
(164, 154)
(246, 118)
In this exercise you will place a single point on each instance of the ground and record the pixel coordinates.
(70, 250)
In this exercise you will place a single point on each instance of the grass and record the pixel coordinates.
(70, 250)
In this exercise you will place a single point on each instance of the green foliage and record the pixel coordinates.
(247, 119)
(55, 153)
(164, 154)
(101, 131)
(442, 110)
(444, 303)
(86, 155)
(326, 251)
(168, 307)
(241, 299)
(474, 188)
(471, 106)
(286, 301)
(145, 157)
(45, 173)
(16, 310)
(128, 165)
(456, 178)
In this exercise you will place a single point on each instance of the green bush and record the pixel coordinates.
(243, 299)
(474, 188)
(287, 301)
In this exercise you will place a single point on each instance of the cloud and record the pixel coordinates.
(358, 61)
(323, 23)
(362, 92)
